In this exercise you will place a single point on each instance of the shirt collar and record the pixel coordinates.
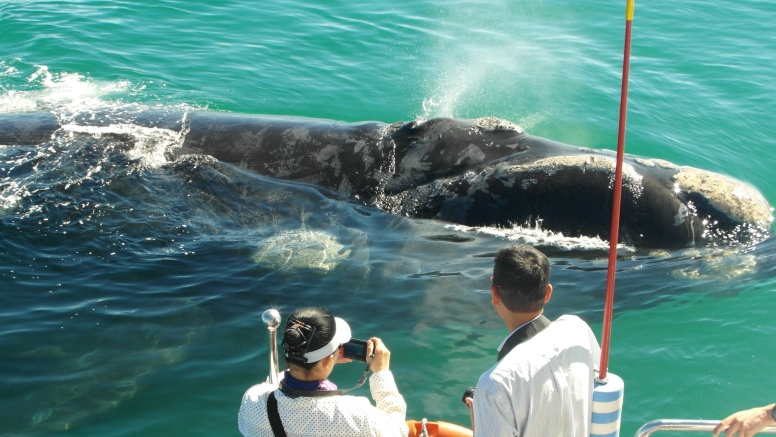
(290, 381)
(515, 330)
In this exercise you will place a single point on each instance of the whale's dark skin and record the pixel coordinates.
(483, 172)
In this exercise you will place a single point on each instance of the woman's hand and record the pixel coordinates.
(382, 356)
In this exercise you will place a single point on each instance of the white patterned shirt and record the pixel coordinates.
(328, 416)
(543, 387)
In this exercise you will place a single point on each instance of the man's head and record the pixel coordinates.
(521, 277)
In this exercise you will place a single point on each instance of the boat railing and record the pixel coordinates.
(686, 425)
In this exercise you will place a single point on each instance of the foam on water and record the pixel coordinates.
(60, 92)
(150, 146)
(533, 234)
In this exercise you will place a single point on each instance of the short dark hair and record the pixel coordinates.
(521, 274)
(296, 336)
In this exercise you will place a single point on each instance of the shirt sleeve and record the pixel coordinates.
(253, 410)
(493, 415)
(389, 402)
(595, 349)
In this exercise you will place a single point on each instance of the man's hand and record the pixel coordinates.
(746, 423)
(470, 404)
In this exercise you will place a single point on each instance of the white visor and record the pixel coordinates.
(341, 335)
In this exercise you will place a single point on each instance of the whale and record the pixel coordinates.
(484, 172)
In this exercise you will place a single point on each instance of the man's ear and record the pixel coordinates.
(548, 293)
(494, 297)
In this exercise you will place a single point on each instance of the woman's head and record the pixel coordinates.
(312, 334)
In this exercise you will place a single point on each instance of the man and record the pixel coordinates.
(542, 384)
(748, 422)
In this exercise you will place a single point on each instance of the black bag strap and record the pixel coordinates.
(274, 416)
(524, 333)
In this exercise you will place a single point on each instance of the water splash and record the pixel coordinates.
(532, 233)
(58, 92)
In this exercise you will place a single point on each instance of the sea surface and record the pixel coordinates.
(132, 286)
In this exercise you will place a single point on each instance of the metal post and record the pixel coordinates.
(272, 319)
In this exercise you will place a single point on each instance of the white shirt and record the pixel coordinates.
(328, 416)
(543, 387)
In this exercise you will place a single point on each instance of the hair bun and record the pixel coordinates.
(293, 337)
(297, 338)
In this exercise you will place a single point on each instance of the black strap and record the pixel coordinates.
(326, 393)
(524, 333)
(274, 416)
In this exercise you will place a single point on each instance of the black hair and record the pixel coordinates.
(307, 330)
(521, 274)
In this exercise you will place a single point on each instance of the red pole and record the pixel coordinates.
(615, 230)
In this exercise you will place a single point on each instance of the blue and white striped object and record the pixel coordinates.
(607, 407)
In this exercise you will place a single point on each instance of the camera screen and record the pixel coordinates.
(355, 349)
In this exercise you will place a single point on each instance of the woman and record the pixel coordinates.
(312, 342)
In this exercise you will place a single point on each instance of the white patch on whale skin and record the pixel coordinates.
(479, 181)
(359, 147)
(296, 134)
(360, 144)
(472, 152)
(528, 182)
(414, 159)
(329, 155)
(368, 161)
(502, 173)
(681, 215)
(291, 138)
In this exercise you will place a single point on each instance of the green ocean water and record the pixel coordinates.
(129, 300)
